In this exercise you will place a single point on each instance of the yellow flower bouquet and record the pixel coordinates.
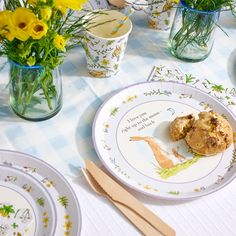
(35, 36)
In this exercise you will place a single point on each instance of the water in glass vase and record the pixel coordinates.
(35, 91)
(192, 33)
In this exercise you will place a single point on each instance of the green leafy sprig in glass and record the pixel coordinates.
(39, 33)
(199, 18)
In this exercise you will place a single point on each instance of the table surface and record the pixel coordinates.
(65, 140)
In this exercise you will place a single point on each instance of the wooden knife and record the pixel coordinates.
(120, 195)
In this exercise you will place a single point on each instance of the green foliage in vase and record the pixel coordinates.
(39, 33)
(210, 5)
(198, 21)
(26, 82)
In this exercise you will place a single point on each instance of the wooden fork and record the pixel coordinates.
(138, 221)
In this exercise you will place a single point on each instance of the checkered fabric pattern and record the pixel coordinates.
(65, 140)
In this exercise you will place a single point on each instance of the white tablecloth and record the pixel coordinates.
(65, 139)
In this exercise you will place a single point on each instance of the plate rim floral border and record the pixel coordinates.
(135, 188)
(78, 207)
(16, 190)
(14, 169)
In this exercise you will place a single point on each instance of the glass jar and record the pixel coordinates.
(192, 33)
(35, 91)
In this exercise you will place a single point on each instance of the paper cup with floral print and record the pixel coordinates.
(161, 13)
(104, 49)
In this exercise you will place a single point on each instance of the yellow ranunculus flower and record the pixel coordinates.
(6, 27)
(75, 4)
(32, 2)
(38, 29)
(22, 18)
(46, 13)
(175, 1)
(62, 5)
(59, 42)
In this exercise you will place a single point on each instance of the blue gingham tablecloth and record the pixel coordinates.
(65, 140)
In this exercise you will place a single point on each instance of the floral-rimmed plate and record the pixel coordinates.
(20, 211)
(130, 123)
(49, 197)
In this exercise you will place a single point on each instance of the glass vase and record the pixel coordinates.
(35, 91)
(192, 33)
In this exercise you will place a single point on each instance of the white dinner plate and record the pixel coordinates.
(146, 110)
(35, 199)
(20, 211)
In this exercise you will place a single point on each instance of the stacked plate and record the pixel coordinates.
(35, 199)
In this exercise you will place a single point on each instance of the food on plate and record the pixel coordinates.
(210, 134)
(181, 126)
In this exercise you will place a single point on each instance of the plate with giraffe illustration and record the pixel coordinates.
(35, 199)
(132, 138)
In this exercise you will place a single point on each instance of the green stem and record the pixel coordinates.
(47, 84)
(29, 96)
(46, 54)
(194, 29)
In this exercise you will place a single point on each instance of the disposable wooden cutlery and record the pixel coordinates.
(147, 222)
(138, 221)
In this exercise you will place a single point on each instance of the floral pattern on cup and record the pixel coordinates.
(104, 56)
(104, 48)
(160, 14)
